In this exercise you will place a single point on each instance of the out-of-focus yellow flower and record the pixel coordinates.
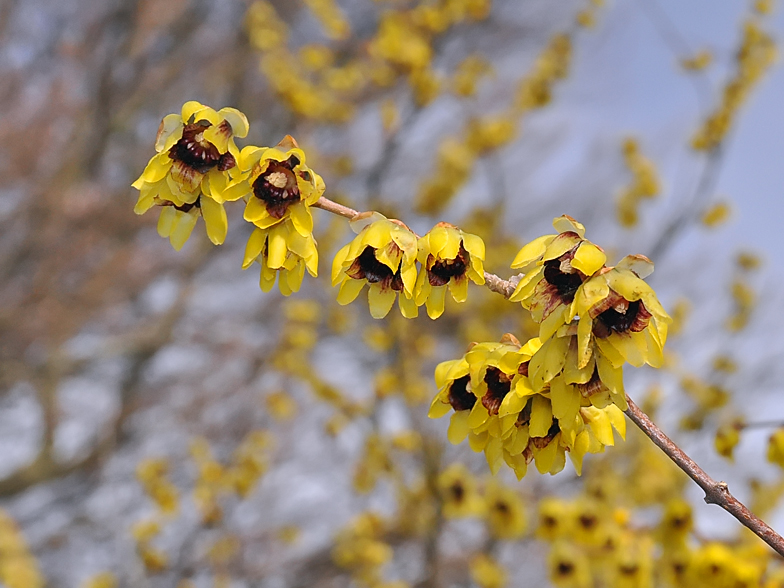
(748, 261)
(330, 17)
(383, 256)
(468, 72)
(401, 43)
(458, 491)
(102, 580)
(426, 86)
(676, 524)
(449, 258)
(728, 437)
(645, 183)
(487, 572)
(698, 62)
(488, 133)
(281, 249)
(568, 567)
(266, 30)
(716, 215)
(189, 175)
(390, 115)
(535, 90)
(554, 519)
(505, 511)
(555, 267)
(776, 448)
(316, 57)
(281, 406)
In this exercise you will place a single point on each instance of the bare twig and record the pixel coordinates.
(715, 492)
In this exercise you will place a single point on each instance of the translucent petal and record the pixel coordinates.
(267, 278)
(183, 227)
(553, 322)
(474, 245)
(526, 286)
(458, 427)
(532, 251)
(617, 419)
(237, 120)
(511, 404)
(560, 245)
(600, 425)
(478, 415)
(435, 301)
(277, 249)
(255, 210)
(408, 307)
(458, 287)
(169, 132)
(438, 408)
(610, 352)
(588, 258)
(437, 240)
(250, 156)
(590, 293)
(579, 448)
(477, 441)
(254, 247)
(166, 220)
(294, 278)
(639, 264)
(349, 290)
(566, 223)
(156, 169)
(545, 457)
(574, 374)
(146, 199)
(301, 218)
(337, 264)
(215, 219)
(452, 245)
(380, 301)
(541, 417)
(189, 109)
(494, 455)
(565, 400)
(553, 363)
(584, 338)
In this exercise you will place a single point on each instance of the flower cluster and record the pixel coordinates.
(494, 405)
(198, 168)
(645, 184)
(384, 256)
(196, 160)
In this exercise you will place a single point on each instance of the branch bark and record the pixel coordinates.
(717, 493)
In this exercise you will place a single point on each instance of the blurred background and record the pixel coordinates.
(164, 423)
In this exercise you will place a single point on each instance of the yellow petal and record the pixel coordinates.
(215, 219)
(190, 108)
(617, 419)
(237, 120)
(255, 210)
(408, 307)
(166, 220)
(301, 218)
(566, 223)
(183, 227)
(474, 245)
(560, 245)
(478, 415)
(494, 455)
(588, 258)
(545, 458)
(527, 284)
(580, 447)
(169, 132)
(276, 248)
(565, 400)
(553, 322)
(532, 251)
(639, 264)
(458, 427)
(584, 338)
(337, 264)
(349, 290)
(541, 417)
(435, 301)
(380, 301)
(254, 247)
(458, 287)
(438, 408)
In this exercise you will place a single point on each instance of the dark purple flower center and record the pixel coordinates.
(459, 396)
(197, 153)
(623, 317)
(442, 270)
(367, 267)
(565, 284)
(277, 186)
(498, 386)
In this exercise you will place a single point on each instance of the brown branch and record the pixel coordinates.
(715, 492)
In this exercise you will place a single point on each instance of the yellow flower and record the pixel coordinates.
(621, 314)
(449, 258)
(728, 437)
(505, 512)
(555, 267)
(189, 175)
(569, 567)
(487, 572)
(458, 492)
(776, 448)
(383, 256)
(282, 249)
(279, 186)
(555, 519)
